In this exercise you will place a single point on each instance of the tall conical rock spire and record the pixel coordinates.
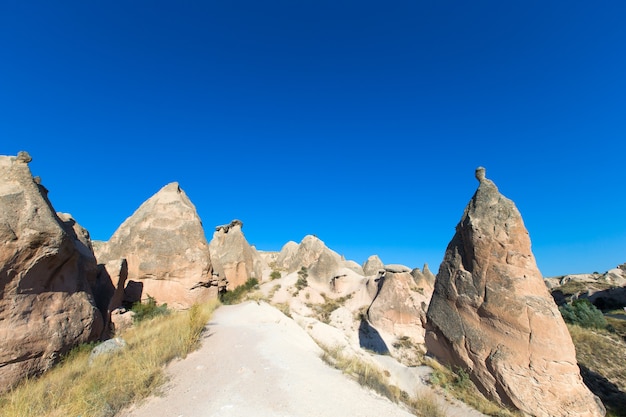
(492, 315)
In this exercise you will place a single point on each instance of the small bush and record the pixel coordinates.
(148, 310)
(302, 276)
(275, 275)
(581, 312)
(236, 296)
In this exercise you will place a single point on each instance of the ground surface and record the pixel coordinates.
(254, 361)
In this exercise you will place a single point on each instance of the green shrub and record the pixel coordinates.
(236, 296)
(584, 314)
(302, 276)
(148, 310)
(275, 274)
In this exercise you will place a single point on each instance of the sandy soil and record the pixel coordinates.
(254, 361)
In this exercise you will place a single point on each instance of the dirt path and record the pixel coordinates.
(254, 361)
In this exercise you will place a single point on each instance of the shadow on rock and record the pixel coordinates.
(611, 396)
(369, 338)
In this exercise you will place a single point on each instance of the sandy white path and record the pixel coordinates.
(254, 361)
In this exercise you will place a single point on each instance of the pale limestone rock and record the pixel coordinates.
(46, 301)
(372, 265)
(492, 315)
(232, 256)
(399, 307)
(286, 254)
(166, 250)
(322, 263)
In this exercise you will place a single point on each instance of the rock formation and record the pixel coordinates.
(286, 254)
(399, 307)
(166, 250)
(109, 290)
(232, 256)
(46, 303)
(491, 314)
(321, 262)
(372, 265)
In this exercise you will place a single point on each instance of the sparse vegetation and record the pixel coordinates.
(601, 356)
(581, 312)
(459, 385)
(323, 311)
(275, 274)
(301, 283)
(237, 295)
(73, 388)
(369, 376)
(148, 310)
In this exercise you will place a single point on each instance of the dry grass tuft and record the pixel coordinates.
(371, 377)
(73, 388)
(460, 386)
(602, 358)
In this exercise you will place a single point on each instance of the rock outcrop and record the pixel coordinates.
(166, 250)
(492, 315)
(46, 302)
(232, 256)
(399, 307)
(372, 265)
(321, 262)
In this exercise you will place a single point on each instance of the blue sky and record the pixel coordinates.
(359, 122)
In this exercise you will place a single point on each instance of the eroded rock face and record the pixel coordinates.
(166, 250)
(322, 263)
(233, 257)
(372, 265)
(399, 307)
(492, 315)
(46, 303)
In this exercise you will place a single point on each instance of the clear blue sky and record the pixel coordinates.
(360, 122)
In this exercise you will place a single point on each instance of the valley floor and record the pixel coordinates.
(256, 361)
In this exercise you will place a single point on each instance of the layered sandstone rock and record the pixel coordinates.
(166, 250)
(492, 315)
(232, 256)
(46, 303)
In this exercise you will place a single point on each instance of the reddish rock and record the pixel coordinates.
(492, 315)
(46, 301)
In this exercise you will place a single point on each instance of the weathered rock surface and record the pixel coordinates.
(423, 277)
(286, 254)
(321, 262)
(399, 307)
(166, 250)
(232, 256)
(109, 290)
(46, 303)
(492, 315)
(606, 291)
(372, 265)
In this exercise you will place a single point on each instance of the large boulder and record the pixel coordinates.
(492, 315)
(166, 250)
(233, 257)
(46, 303)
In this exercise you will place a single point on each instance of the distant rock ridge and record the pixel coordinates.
(47, 271)
(492, 315)
(166, 250)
